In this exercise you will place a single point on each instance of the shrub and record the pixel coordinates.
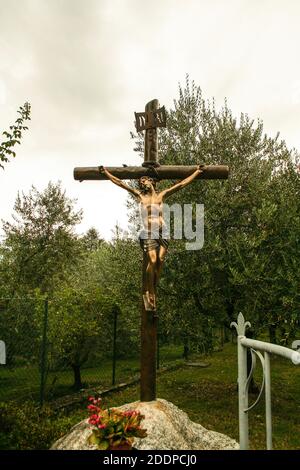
(26, 426)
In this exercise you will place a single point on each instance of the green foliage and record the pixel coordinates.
(14, 135)
(19, 331)
(25, 426)
(40, 246)
(114, 269)
(250, 259)
(92, 240)
(79, 328)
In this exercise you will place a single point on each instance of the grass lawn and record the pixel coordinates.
(23, 382)
(209, 396)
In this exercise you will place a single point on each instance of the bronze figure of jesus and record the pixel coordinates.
(153, 237)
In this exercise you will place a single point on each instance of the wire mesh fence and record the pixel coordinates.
(53, 349)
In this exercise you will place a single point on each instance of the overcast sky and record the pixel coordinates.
(86, 66)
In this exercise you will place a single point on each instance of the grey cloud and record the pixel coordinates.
(86, 65)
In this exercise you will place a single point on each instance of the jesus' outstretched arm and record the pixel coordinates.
(167, 192)
(119, 182)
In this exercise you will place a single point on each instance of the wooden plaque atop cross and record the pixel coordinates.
(154, 247)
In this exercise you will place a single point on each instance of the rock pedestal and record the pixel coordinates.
(168, 428)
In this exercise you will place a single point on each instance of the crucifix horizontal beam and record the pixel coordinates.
(163, 172)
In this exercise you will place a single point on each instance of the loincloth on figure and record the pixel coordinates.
(153, 240)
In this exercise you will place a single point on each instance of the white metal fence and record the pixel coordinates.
(256, 348)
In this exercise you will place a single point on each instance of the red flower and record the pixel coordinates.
(93, 408)
(113, 423)
(94, 400)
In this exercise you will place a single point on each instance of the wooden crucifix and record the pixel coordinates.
(153, 243)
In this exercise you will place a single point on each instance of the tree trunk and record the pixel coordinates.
(77, 377)
(283, 336)
(230, 317)
(272, 334)
(222, 336)
(209, 337)
(227, 335)
(186, 349)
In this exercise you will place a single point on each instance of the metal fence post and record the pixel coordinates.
(268, 401)
(240, 327)
(116, 312)
(243, 395)
(43, 353)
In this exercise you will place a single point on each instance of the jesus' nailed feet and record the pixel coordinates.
(150, 302)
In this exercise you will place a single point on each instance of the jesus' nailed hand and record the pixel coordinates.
(152, 217)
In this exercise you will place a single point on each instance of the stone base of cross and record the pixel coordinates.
(149, 121)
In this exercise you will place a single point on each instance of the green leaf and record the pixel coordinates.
(93, 439)
(103, 445)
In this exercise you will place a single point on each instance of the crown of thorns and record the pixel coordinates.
(149, 178)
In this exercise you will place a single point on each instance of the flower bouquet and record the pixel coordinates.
(113, 428)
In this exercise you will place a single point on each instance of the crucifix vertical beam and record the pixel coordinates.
(149, 320)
